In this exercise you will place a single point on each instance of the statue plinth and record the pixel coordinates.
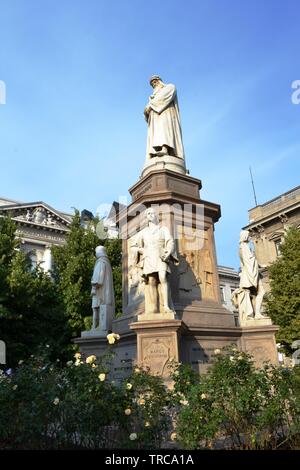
(158, 345)
(249, 322)
(258, 339)
(156, 316)
(94, 333)
(164, 163)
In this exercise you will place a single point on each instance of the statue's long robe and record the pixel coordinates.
(249, 266)
(102, 279)
(164, 121)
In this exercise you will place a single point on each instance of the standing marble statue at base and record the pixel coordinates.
(102, 293)
(249, 296)
(155, 250)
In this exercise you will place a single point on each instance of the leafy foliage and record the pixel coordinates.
(146, 409)
(238, 406)
(46, 405)
(50, 405)
(283, 302)
(31, 315)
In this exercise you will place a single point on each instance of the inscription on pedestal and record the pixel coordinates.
(157, 354)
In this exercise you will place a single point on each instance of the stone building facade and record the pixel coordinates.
(39, 226)
(268, 223)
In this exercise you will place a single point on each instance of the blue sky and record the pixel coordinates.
(72, 131)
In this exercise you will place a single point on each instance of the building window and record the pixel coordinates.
(277, 246)
(222, 294)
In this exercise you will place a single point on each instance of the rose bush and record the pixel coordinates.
(77, 405)
(238, 406)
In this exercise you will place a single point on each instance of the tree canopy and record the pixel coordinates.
(38, 310)
(283, 302)
(31, 315)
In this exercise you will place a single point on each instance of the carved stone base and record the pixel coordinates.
(94, 333)
(256, 322)
(158, 345)
(156, 316)
(259, 341)
(89, 345)
(164, 162)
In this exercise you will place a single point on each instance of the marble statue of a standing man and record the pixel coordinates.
(155, 250)
(162, 115)
(103, 301)
(249, 297)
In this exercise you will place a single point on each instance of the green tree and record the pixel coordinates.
(283, 302)
(31, 315)
(73, 267)
(8, 246)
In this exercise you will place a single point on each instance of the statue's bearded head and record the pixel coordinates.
(151, 215)
(155, 81)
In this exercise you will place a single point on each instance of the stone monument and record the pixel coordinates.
(249, 296)
(102, 293)
(172, 306)
(164, 137)
(154, 250)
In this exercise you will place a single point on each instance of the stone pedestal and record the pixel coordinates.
(259, 341)
(158, 344)
(167, 162)
(94, 333)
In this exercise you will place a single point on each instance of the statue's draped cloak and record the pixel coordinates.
(102, 276)
(249, 267)
(164, 121)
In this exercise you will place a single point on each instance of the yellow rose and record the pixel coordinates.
(56, 401)
(127, 411)
(141, 401)
(112, 337)
(173, 436)
(147, 424)
(77, 355)
(184, 402)
(90, 359)
(129, 386)
(102, 377)
(133, 436)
